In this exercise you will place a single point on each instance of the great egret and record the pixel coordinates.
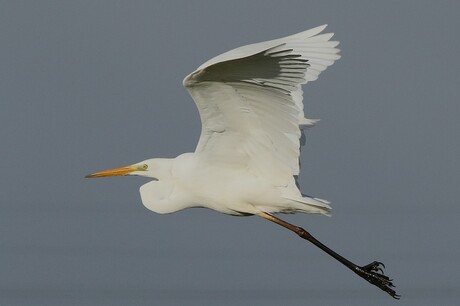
(247, 158)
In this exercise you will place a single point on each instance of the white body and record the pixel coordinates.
(232, 191)
(251, 108)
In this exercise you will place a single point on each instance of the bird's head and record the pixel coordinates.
(143, 168)
(155, 194)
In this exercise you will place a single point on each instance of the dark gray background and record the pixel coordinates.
(90, 85)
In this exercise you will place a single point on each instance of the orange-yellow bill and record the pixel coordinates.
(114, 172)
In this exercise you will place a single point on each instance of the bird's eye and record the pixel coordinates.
(144, 167)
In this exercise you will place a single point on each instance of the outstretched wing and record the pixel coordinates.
(250, 103)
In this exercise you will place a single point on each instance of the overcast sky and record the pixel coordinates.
(90, 85)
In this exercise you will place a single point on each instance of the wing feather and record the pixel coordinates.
(250, 102)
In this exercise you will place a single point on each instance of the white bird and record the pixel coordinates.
(247, 159)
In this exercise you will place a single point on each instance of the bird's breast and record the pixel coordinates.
(227, 191)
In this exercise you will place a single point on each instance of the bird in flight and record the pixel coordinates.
(247, 158)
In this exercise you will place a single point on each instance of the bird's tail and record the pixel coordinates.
(309, 205)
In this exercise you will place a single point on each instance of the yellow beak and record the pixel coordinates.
(114, 172)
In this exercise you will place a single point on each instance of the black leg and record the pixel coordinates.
(372, 272)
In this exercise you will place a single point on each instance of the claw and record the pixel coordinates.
(373, 273)
(379, 268)
(375, 266)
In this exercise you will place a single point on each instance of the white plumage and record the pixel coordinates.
(245, 163)
(251, 109)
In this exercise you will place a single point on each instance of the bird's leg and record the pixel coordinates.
(372, 272)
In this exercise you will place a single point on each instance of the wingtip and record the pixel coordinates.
(320, 28)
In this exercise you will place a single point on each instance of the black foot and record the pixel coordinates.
(373, 273)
